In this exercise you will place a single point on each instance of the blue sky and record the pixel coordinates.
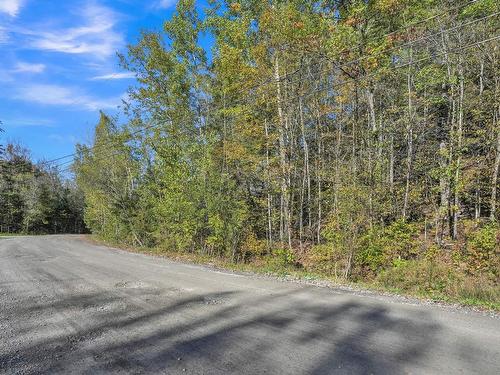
(58, 66)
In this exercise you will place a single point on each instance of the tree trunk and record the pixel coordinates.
(496, 166)
(307, 172)
(456, 188)
(409, 135)
(286, 227)
(269, 196)
(318, 175)
(444, 189)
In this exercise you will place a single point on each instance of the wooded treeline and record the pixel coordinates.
(345, 137)
(34, 198)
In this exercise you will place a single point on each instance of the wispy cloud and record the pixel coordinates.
(122, 75)
(8, 74)
(28, 123)
(64, 96)
(11, 7)
(164, 4)
(95, 35)
(24, 67)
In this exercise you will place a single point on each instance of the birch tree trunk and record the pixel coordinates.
(286, 227)
(496, 166)
(409, 135)
(269, 196)
(456, 188)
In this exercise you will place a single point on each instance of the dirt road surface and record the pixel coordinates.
(68, 306)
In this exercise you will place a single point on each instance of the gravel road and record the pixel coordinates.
(68, 306)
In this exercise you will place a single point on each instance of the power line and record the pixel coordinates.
(103, 145)
(345, 50)
(263, 83)
(285, 76)
(410, 43)
(349, 81)
(70, 167)
(456, 51)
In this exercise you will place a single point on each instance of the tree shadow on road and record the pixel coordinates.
(149, 331)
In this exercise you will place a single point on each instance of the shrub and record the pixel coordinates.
(483, 249)
(419, 276)
(252, 247)
(381, 247)
(479, 254)
(326, 259)
(280, 259)
(284, 256)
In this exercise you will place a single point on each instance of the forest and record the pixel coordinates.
(352, 139)
(34, 197)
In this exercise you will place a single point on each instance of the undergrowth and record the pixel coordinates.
(434, 275)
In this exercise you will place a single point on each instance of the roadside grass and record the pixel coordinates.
(10, 235)
(468, 293)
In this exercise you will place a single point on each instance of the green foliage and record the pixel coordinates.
(253, 248)
(36, 199)
(439, 280)
(280, 259)
(107, 181)
(486, 239)
(284, 256)
(419, 277)
(383, 247)
(326, 259)
(482, 251)
(329, 128)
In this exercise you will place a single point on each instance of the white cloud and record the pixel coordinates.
(95, 35)
(123, 75)
(11, 7)
(28, 122)
(8, 74)
(23, 67)
(166, 3)
(64, 96)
